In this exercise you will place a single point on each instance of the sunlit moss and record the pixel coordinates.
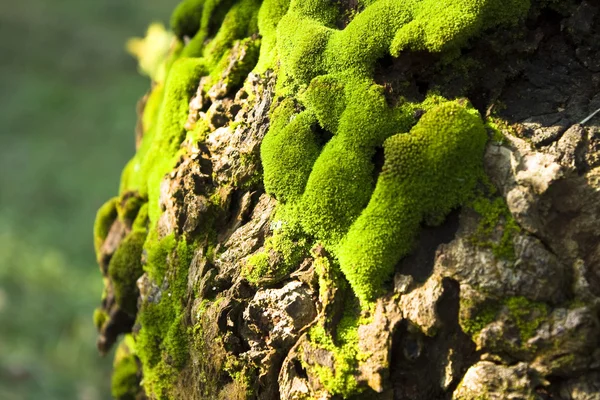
(125, 268)
(105, 217)
(125, 383)
(329, 122)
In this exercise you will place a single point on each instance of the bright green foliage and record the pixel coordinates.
(125, 378)
(105, 217)
(125, 268)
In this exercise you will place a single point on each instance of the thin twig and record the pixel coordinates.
(589, 117)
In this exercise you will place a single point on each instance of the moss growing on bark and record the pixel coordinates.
(125, 268)
(495, 213)
(341, 379)
(526, 315)
(282, 252)
(330, 121)
(162, 340)
(125, 383)
(442, 154)
(333, 185)
(100, 318)
(106, 215)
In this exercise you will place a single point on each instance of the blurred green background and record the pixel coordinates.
(67, 114)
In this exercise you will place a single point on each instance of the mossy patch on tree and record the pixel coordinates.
(329, 121)
(495, 214)
(125, 384)
(106, 215)
(125, 268)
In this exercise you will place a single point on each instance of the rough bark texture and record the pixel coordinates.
(500, 300)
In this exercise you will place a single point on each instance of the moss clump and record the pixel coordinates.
(327, 75)
(126, 377)
(228, 21)
(288, 153)
(269, 15)
(438, 25)
(526, 315)
(162, 340)
(106, 215)
(283, 252)
(100, 317)
(128, 206)
(481, 316)
(341, 379)
(494, 213)
(185, 20)
(125, 268)
(442, 154)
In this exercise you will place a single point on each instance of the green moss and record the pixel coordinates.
(269, 16)
(288, 155)
(481, 316)
(128, 206)
(185, 20)
(283, 252)
(527, 315)
(158, 151)
(524, 314)
(161, 342)
(329, 71)
(141, 220)
(106, 215)
(100, 318)
(441, 25)
(235, 21)
(442, 154)
(329, 120)
(235, 76)
(494, 213)
(125, 383)
(341, 379)
(125, 268)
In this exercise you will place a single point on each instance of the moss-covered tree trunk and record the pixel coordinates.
(360, 199)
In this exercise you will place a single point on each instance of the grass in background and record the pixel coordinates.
(67, 114)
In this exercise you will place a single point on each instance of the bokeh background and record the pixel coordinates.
(68, 91)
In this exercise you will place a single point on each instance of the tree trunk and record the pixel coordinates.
(361, 200)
